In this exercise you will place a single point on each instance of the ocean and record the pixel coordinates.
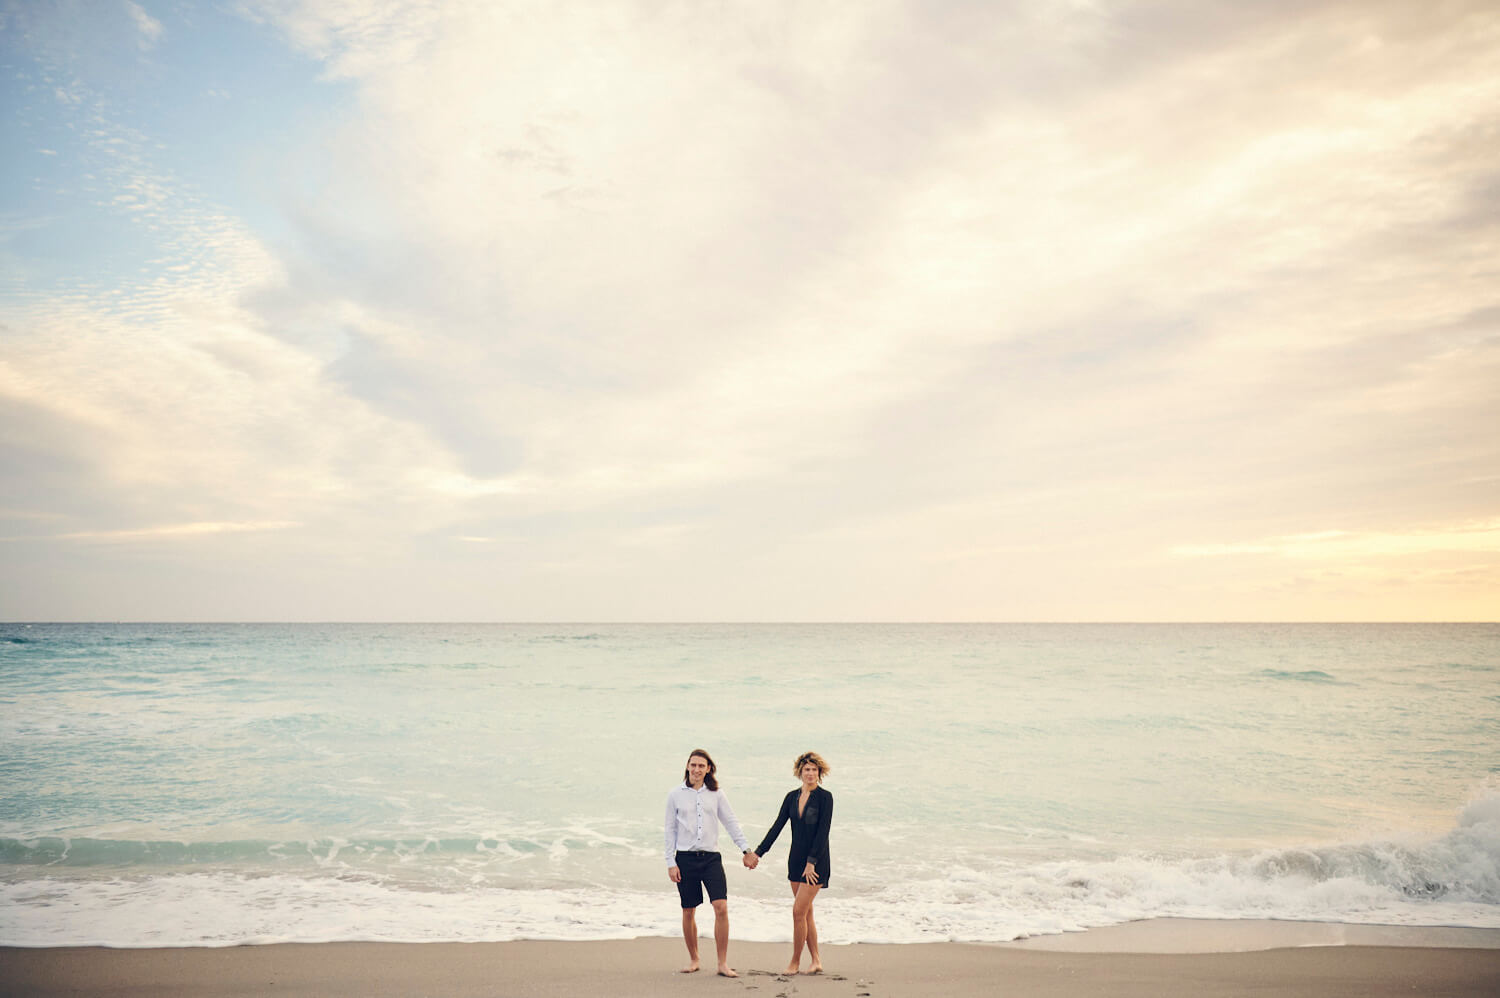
(216, 784)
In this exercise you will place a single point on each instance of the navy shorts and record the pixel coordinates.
(699, 870)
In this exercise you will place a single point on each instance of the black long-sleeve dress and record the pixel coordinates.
(809, 834)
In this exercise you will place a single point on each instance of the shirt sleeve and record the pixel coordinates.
(819, 847)
(731, 823)
(782, 817)
(671, 831)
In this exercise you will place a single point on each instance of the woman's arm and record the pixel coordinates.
(782, 817)
(819, 847)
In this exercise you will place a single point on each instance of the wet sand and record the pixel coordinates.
(648, 967)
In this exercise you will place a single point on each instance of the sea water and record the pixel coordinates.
(220, 784)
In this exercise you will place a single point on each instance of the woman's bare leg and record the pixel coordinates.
(802, 901)
(812, 944)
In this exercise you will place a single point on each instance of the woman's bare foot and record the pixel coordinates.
(691, 968)
(816, 968)
(793, 969)
(725, 970)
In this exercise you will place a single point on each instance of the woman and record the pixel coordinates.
(810, 810)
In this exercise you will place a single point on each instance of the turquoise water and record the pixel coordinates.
(214, 784)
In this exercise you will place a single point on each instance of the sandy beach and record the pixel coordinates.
(647, 967)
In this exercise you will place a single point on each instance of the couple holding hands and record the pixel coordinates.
(694, 811)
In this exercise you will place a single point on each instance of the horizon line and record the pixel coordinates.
(740, 623)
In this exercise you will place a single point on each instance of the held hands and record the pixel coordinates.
(810, 875)
(751, 860)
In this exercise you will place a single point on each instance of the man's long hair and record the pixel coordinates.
(708, 779)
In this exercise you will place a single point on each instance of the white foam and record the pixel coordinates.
(971, 905)
(1483, 810)
(427, 893)
(227, 910)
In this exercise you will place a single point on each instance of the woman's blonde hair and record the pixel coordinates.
(806, 757)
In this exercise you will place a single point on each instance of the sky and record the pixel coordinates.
(1051, 310)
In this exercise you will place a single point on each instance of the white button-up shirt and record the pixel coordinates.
(693, 818)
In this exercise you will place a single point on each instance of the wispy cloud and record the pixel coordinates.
(1481, 537)
(176, 530)
(149, 27)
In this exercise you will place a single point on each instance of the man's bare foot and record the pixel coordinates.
(725, 970)
(691, 968)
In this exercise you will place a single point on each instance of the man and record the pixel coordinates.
(694, 811)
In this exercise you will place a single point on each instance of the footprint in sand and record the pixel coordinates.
(862, 987)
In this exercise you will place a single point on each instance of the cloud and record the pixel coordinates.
(1338, 545)
(350, 36)
(939, 292)
(77, 42)
(173, 530)
(149, 27)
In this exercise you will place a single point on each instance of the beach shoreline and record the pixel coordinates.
(1245, 935)
(1452, 961)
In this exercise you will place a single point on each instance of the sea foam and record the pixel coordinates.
(1453, 880)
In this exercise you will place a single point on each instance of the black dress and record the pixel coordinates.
(809, 834)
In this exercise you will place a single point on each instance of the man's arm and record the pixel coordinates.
(731, 823)
(670, 834)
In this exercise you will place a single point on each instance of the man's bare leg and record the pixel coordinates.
(721, 937)
(690, 936)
